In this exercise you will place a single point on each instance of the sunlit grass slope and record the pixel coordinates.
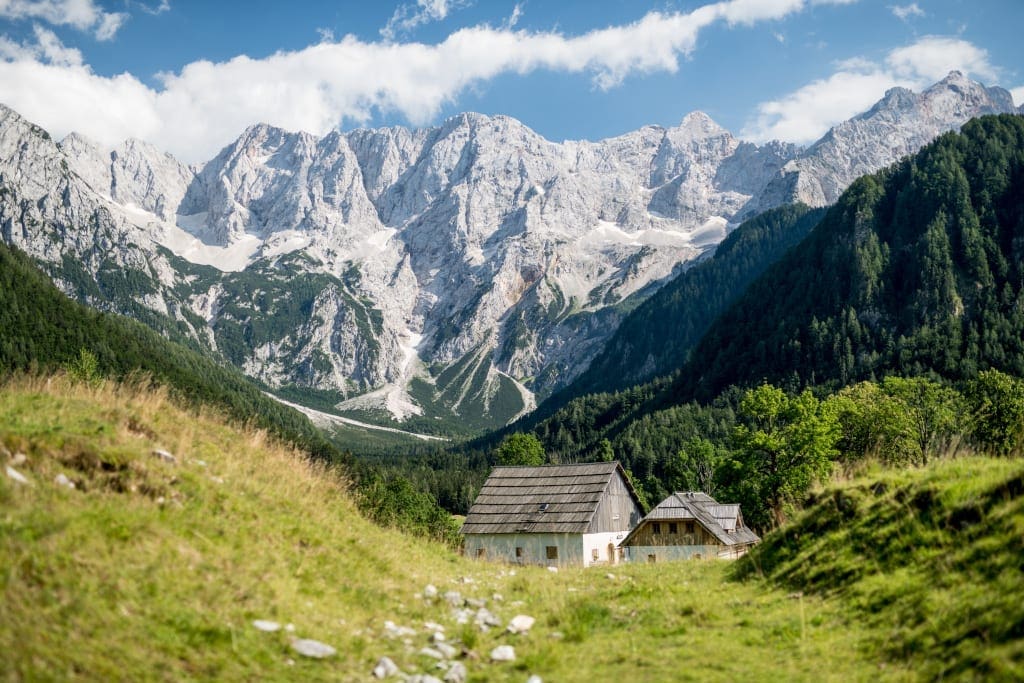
(156, 570)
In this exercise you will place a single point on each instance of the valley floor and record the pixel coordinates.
(156, 569)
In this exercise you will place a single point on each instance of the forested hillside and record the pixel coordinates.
(41, 330)
(916, 271)
(44, 330)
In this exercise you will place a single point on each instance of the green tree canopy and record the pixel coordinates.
(996, 402)
(521, 449)
(783, 445)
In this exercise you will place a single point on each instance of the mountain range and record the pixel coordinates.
(459, 271)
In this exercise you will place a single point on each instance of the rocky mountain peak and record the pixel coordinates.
(472, 264)
(960, 97)
(699, 125)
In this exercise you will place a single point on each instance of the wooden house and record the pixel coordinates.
(689, 525)
(555, 515)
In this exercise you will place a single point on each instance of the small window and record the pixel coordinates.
(656, 528)
(552, 552)
(673, 528)
(481, 552)
(519, 551)
(651, 559)
(544, 507)
(595, 554)
(689, 527)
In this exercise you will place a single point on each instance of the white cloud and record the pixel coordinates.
(206, 105)
(805, 114)
(164, 6)
(46, 48)
(905, 12)
(1018, 95)
(517, 14)
(83, 15)
(932, 57)
(408, 17)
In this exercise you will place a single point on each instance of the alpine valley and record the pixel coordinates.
(446, 277)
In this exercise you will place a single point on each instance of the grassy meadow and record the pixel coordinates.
(156, 570)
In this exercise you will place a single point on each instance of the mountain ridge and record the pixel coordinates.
(465, 265)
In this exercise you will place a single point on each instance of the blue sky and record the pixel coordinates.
(190, 75)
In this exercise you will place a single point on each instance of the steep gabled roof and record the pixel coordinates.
(724, 522)
(547, 499)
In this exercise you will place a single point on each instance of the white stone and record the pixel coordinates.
(17, 476)
(503, 653)
(457, 673)
(267, 626)
(62, 480)
(520, 623)
(432, 652)
(385, 668)
(18, 459)
(534, 679)
(430, 591)
(166, 456)
(447, 650)
(312, 648)
(485, 619)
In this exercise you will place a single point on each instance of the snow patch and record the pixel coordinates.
(285, 242)
(232, 258)
(390, 397)
(322, 419)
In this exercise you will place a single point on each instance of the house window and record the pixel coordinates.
(519, 552)
(481, 552)
(656, 528)
(689, 527)
(673, 528)
(551, 551)
(595, 554)
(651, 559)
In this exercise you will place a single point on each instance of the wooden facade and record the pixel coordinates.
(689, 525)
(555, 515)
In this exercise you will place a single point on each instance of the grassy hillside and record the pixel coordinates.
(930, 562)
(152, 570)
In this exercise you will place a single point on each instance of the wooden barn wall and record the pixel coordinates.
(645, 536)
(617, 511)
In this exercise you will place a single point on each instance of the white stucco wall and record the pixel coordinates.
(533, 548)
(599, 542)
(573, 549)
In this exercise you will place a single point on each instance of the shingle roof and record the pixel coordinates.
(724, 522)
(548, 499)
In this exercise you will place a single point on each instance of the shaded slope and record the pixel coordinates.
(655, 339)
(930, 560)
(916, 269)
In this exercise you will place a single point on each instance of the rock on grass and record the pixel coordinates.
(313, 648)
